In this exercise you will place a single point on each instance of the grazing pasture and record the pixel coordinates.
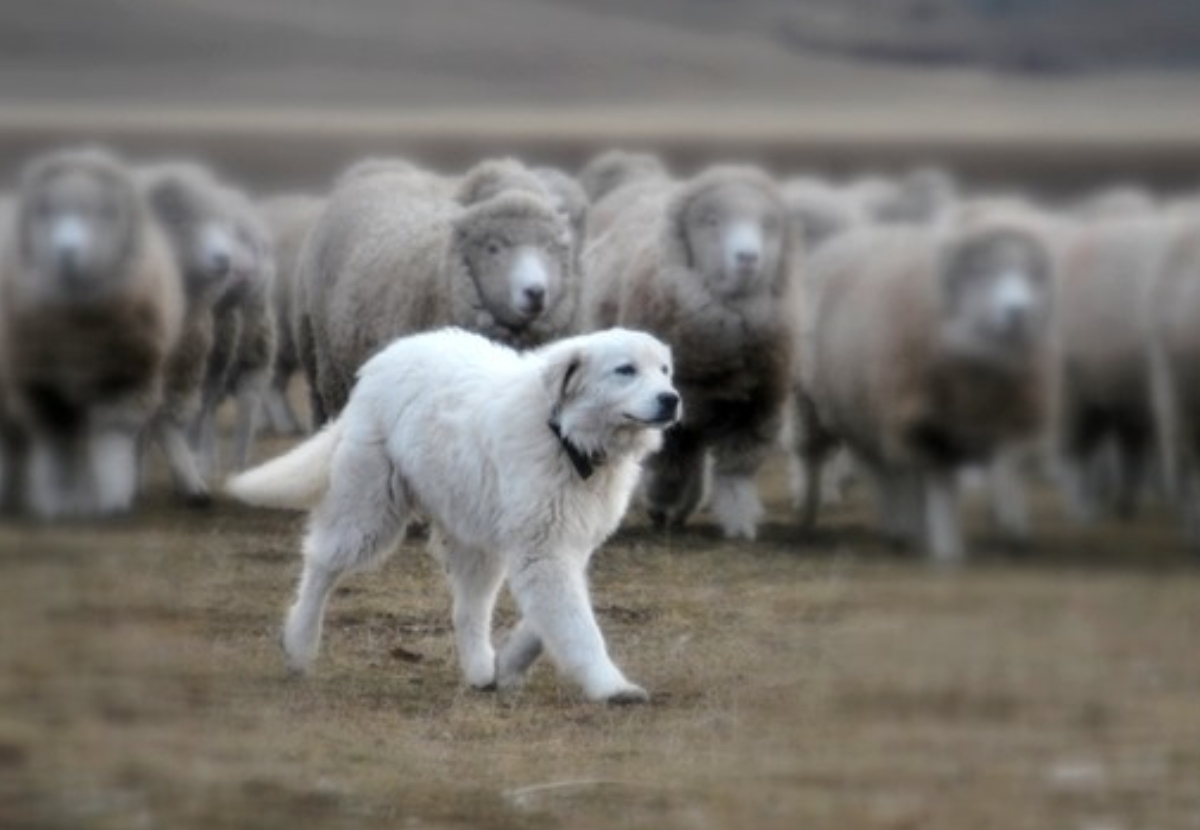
(797, 682)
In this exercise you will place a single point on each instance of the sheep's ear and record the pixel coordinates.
(168, 199)
(675, 242)
(563, 376)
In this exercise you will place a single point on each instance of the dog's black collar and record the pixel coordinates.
(584, 463)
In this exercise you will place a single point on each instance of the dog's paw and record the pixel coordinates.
(631, 695)
(298, 662)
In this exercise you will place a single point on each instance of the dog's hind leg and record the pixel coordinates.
(552, 594)
(475, 579)
(359, 521)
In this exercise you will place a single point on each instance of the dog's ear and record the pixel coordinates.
(563, 376)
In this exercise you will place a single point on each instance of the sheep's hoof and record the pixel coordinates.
(198, 501)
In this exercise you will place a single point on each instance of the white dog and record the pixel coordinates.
(524, 464)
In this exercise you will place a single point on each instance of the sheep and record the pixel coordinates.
(614, 169)
(613, 181)
(926, 348)
(1174, 362)
(706, 266)
(821, 211)
(244, 325)
(394, 254)
(490, 178)
(1106, 272)
(918, 197)
(92, 306)
(288, 218)
(569, 199)
(1115, 202)
(190, 206)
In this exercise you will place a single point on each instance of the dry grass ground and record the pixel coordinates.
(826, 682)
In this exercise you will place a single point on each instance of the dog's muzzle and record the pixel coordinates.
(668, 408)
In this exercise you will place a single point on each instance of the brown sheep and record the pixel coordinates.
(394, 254)
(288, 218)
(707, 268)
(926, 349)
(92, 306)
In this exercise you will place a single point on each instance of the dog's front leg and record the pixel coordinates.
(552, 594)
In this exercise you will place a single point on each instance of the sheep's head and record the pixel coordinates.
(252, 263)
(516, 250)
(191, 207)
(731, 228)
(79, 221)
(615, 169)
(996, 290)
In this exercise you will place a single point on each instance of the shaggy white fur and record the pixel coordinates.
(523, 463)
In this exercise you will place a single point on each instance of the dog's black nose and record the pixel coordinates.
(668, 404)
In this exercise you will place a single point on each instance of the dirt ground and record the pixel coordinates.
(797, 682)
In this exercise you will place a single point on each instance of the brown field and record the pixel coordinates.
(822, 682)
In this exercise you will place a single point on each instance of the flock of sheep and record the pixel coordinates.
(893, 329)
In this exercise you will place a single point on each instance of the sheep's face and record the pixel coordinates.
(252, 262)
(78, 227)
(517, 267)
(200, 229)
(996, 290)
(735, 236)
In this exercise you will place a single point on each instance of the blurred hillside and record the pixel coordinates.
(474, 52)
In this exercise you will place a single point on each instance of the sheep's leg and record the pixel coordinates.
(358, 522)
(552, 594)
(54, 477)
(943, 533)
(475, 579)
(1164, 399)
(1189, 502)
(1010, 508)
(281, 415)
(181, 461)
(249, 402)
(674, 480)
(814, 467)
(113, 460)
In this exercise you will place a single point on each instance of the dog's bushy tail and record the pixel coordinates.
(295, 480)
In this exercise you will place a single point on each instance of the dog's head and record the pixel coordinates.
(610, 393)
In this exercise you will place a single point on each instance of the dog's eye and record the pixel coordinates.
(666, 370)
(493, 247)
(626, 369)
